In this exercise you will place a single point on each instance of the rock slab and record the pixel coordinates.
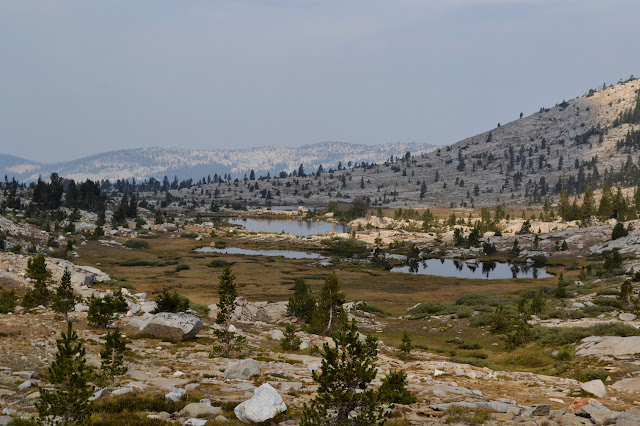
(176, 326)
(265, 404)
(242, 369)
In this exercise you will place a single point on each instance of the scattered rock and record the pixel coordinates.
(276, 334)
(175, 395)
(541, 410)
(200, 409)
(627, 317)
(595, 387)
(121, 391)
(265, 404)
(176, 326)
(242, 369)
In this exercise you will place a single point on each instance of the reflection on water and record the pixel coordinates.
(287, 254)
(302, 228)
(461, 269)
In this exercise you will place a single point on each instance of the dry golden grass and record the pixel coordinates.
(261, 278)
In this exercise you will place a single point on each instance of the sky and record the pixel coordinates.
(83, 77)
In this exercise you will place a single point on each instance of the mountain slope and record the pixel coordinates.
(16, 166)
(569, 145)
(143, 163)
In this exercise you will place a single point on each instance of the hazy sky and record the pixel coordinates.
(81, 77)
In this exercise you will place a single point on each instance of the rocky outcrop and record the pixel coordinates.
(255, 311)
(609, 346)
(265, 404)
(176, 326)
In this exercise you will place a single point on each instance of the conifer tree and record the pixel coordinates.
(331, 301)
(113, 355)
(588, 208)
(626, 291)
(605, 209)
(37, 268)
(406, 346)
(302, 304)
(290, 342)
(344, 394)
(564, 206)
(40, 295)
(69, 403)
(227, 304)
(65, 299)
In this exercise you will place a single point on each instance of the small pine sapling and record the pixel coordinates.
(65, 299)
(228, 293)
(69, 403)
(395, 389)
(406, 346)
(626, 292)
(290, 342)
(113, 356)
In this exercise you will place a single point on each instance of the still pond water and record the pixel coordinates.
(301, 228)
(481, 270)
(287, 254)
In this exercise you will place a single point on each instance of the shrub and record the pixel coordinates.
(561, 336)
(191, 235)
(372, 309)
(394, 389)
(137, 244)
(217, 263)
(458, 414)
(7, 301)
(619, 231)
(539, 260)
(171, 301)
(346, 247)
(182, 267)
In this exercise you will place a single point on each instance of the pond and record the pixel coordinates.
(480, 270)
(287, 254)
(301, 228)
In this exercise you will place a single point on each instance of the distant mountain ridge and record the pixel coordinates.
(144, 163)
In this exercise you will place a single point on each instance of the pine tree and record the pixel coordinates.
(65, 299)
(588, 208)
(564, 206)
(515, 249)
(394, 389)
(37, 268)
(290, 342)
(626, 291)
(344, 395)
(406, 346)
(605, 209)
(69, 403)
(102, 311)
(113, 355)
(227, 304)
(40, 295)
(331, 301)
(302, 304)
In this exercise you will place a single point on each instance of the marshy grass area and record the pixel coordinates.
(271, 278)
